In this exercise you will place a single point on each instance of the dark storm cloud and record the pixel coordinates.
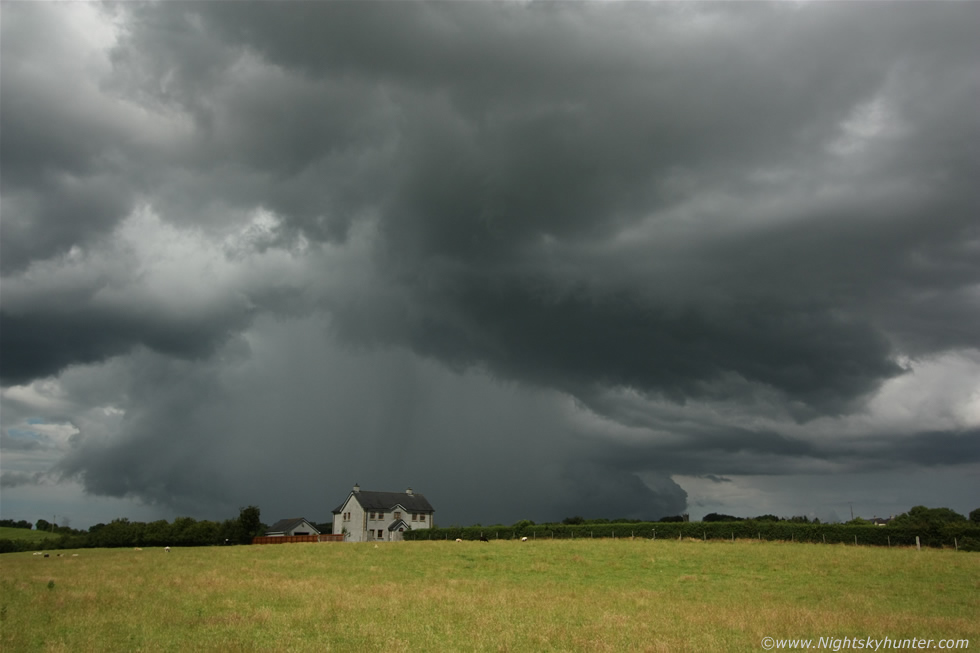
(570, 135)
(761, 452)
(768, 205)
(479, 152)
(62, 182)
(43, 344)
(15, 479)
(716, 479)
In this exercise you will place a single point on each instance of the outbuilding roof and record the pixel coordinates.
(286, 525)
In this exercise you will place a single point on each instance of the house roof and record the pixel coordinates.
(284, 525)
(399, 523)
(385, 501)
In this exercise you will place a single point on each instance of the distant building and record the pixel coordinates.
(367, 516)
(289, 527)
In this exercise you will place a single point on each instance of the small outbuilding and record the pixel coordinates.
(291, 527)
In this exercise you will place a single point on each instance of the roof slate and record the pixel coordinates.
(385, 501)
(284, 525)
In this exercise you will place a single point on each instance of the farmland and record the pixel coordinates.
(26, 534)
(562, 595)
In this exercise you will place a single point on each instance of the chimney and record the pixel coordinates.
(409, 491)
(357, 487)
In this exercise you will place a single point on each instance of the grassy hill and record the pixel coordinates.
(7, 533)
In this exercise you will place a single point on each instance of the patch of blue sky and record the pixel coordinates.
(24, 434)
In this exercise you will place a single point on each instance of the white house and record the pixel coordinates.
(367, 516)
(294, 526)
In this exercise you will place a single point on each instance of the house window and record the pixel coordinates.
(381, 534)
(398, 515)
(415, 517)
(421, 517)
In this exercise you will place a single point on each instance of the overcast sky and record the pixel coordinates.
(532, 260)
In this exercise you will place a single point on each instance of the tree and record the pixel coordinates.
(975, 515)
(250, 521)
(714, 516)
(43, 525)
(927, 518)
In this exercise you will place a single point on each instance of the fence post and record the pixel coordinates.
(918, 547)
(956, 545)
(855, 540)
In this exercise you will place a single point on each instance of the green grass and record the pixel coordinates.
(30, 535)
(558, 595)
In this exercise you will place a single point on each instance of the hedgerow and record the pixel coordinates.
(945, 535)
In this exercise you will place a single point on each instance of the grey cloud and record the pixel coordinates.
(766, 206)
(16, 479)
(437, 432)
(42, 342)
(716, 479)
(13, 443)
(590, 490)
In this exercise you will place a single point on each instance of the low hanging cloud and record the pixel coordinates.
(707, 240)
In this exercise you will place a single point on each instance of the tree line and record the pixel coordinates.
(936, 527)
(183, 531)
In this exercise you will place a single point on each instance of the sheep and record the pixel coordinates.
(524, 539)
(483, 538)
(459, 539)
(167, 549)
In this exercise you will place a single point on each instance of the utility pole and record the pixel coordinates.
(852, 511)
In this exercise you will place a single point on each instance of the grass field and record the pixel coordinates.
(30, 535)
(559, 595)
